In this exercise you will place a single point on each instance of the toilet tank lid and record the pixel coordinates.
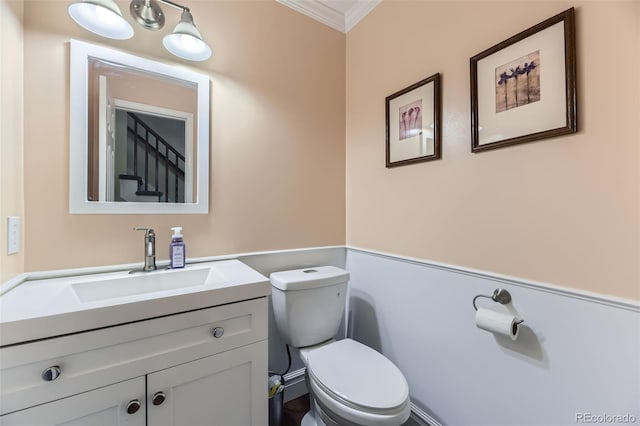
(303, 279)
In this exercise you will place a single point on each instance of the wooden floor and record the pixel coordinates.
(295, 410)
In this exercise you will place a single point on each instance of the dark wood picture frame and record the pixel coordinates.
(427, 133)
(561, 99)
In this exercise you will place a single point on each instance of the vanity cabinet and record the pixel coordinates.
(204, 367)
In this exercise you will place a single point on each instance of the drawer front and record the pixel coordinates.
(101, 357)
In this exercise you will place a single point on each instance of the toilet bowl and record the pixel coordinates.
(349, 383)
(352, 384)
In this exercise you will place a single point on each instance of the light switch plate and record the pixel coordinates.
(13, 234)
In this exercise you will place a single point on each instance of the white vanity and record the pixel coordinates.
(110, 348)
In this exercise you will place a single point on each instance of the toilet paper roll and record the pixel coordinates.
(498, 323)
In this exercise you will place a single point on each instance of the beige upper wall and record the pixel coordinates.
(563, 211)
(277, 137)
(11, 131)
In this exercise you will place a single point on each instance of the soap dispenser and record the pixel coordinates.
(177, 252)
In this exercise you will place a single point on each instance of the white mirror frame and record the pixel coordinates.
(78, 133)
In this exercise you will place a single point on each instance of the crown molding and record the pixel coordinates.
(358, 12)
(322, 12)
(318, 11)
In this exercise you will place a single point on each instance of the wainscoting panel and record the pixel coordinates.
(577, 355)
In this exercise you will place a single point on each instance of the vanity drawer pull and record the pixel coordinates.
(133, 406)
(51, 373)
(217, 332)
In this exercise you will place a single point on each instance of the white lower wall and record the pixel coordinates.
(577, 353)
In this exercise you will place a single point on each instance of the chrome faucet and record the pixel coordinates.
(149, 249)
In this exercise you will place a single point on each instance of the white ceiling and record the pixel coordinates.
(341, 15)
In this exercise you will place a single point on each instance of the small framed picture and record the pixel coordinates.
(413, 118)
(524, 89)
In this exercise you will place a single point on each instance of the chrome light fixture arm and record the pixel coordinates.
(148, 13)
(176, 5)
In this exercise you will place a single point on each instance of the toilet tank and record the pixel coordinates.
(308, 304)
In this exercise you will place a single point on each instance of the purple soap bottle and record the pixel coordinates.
(177, 252)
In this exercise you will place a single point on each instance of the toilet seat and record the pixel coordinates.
(358, 383)
(358, 417)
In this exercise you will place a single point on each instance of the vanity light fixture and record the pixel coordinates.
(103, 17)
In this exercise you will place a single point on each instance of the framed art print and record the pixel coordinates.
(413, 117)
(524, 89)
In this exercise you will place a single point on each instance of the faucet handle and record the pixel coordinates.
(149, 232)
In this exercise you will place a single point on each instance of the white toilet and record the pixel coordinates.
(349, 383)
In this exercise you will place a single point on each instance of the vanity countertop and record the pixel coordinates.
(43, 308)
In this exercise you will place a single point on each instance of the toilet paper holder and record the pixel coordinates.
(499, 295)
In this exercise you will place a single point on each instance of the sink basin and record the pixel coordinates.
(139, 283)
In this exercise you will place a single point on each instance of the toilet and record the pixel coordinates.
(349, 383)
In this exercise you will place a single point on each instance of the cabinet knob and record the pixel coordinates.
(51, 373)
(217, 332)
(158, 398)
(133, 406)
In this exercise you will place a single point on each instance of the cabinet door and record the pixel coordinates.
(228, 389)
(105, 406)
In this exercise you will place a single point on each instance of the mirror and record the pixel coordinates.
(139, 135)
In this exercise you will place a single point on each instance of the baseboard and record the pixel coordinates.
(422, 417)
(294, 385)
